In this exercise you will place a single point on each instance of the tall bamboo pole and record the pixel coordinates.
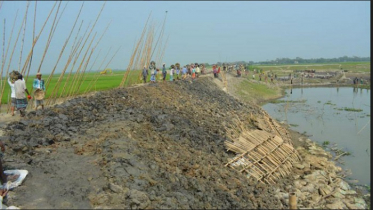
(94, 78)
(63, 49)
(81, 80)
(94, 62)
(11, 55)
(76, 36)
(3, 60)
(6, 54)
(160, 35)
(49, 38)
(33, 38)
(134, 53)
(75, 60)
(54, 93)
(23, 37)
(106, 67)
(34, 42)
(71, 90)
(98, 16)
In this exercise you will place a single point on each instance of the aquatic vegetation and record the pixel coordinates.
(325, 143)
(293, 125)
(349, 109)
(278, 101)
(329, 103)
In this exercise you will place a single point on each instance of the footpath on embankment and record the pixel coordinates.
(160, 145)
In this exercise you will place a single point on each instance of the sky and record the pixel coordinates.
(197, 31)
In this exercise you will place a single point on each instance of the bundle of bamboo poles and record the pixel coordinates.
(262, 155)
(144, 51)
(80, 55)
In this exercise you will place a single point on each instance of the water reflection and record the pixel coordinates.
(323, 113)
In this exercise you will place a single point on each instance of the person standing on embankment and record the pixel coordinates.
(144, 74)
(12, 96)
(21, 101)
(38, 85)
(164, 72)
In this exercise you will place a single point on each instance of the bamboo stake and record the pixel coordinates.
(160, 35)
(134, 53)
(98, 16)
(23, 37)
(54, 93)
(63, 49)
(3, 60)
(94, 78)
(49, 38)
(34, 42)
(78, 70)
(76, 36)
(106, 66)
(11, 56)
(75, 60)
(6, 54)
(81, 80)
(33, 38)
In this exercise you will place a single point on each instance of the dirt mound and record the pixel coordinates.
(154, 146)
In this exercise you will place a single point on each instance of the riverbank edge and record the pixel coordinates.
(364, 195)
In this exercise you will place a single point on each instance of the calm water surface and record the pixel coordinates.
(319, 112)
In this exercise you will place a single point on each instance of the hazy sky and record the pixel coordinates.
(198, 31)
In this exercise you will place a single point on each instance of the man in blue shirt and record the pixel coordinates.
(38, 85)
(184, 72)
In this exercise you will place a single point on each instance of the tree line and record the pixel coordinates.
(299, 60)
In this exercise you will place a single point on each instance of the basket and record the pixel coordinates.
(39, 94)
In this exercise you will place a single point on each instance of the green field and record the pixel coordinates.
(104, 82)
(357, 67)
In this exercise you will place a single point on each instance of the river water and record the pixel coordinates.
(320, 112)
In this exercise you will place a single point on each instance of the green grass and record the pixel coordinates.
(104, 82)
(249, 90)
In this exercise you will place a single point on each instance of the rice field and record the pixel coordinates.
(104, 82)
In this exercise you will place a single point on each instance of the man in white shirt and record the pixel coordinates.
(20, 89)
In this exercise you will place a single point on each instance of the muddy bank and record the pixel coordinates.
(154, 146)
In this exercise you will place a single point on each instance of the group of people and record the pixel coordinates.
(192, 71)
(18, 88)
